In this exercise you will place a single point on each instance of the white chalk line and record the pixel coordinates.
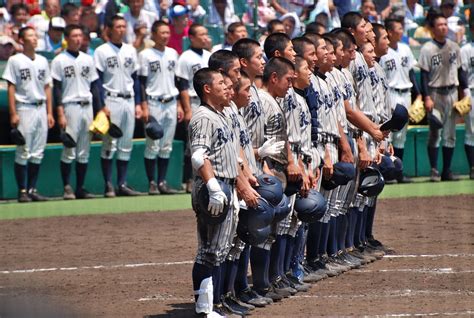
(416, 270)
(431, 314)
(137, 265)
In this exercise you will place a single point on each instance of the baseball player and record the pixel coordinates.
(398, 65)
(213, 147)
(189, 63)
(157, 79)
(30, 108)
(441, 74)
(117, 65)
(74, 77)
(467, 60)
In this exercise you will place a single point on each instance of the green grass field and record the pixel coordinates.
(12, 210)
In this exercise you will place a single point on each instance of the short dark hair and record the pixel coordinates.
(222, 60)
(378, 30)
(22, 31)
(243, 75)
(275, 42)
(344, 36)
(351, 20)
(70, 28)
(330, 40)
(390, 23)
(233, 26)
(17, 7)
(245, 48)
(204, 76)
(193, 27)
(313, 37)
(68, 8)
(112, 20)
(157, 24)
(278, 65)
(314, 27)
(432, 15)
(298, 61)
(299, 44)
(271, 25)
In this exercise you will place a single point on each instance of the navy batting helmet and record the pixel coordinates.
(293, 187)
(343, 173)
(282, 209)
(371, 182)
(17, 137)
(66, 138)
(255, 223)
(203, 204)
(386, 168)
(115, 131)
(270, 188)
(153, 129)
(311, 208)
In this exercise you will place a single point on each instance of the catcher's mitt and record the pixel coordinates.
(101, 124)
(463, 106)
(417, 111)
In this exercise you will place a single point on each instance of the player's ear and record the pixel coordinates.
(206, 88)
(243, 62)
(277, 54)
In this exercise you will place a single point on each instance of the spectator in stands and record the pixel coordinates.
(292, 24)
(222, 13)
(274, 26)
(70, 13)
(383, 8)
(235, 32)
(456, 29)
(367, 9)
(316, 27)
(139, 22)
(158, 7)
(19, 17)
(53, 39)
(86, 41)
(266, 13)
(413, 11)
(179, 27)
(90, 20)
(40, 22)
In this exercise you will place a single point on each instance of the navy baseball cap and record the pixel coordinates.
(398, 121)
(153, 129)
(342, 174)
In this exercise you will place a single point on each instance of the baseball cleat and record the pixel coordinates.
(249, 296)
(35, 196)
(109, 191)
(434, 177)
(229, 302)
(449, 176)
(165, 189)
(126, 191)
(23, 197)
(84, 194)
(153, 188)
(68, 193)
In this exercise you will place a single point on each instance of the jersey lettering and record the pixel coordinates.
(112, 62)
(128, 62)
(404, 61)
(25, 74)
(41, 75)
(278, 121)
(69, 72)
(255, 111)
(452, 57)
(361, 74)
(244, 139)
(290, 103)
(171, 65)
(195, 68)
(436, 60)
(391, 65)
(155, 66)
(85, 71)
(303, 120)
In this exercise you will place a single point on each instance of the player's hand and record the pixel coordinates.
(293, 172)
(14, 120)
(249, 195)
(390, 150)
(314, 183)
(270, 148)
(62, 122)
(138, 112)
(253, 181)
(180, 113)
(429, 104)
(378, 158)
(106, 110)
(346, 156)
(50, 121)
(217, 198)
(378, 135)
(328, 168)
(145, 114)
(364, 159)
(306, 185)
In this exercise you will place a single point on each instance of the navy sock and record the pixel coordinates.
(216, 282)
(354, 214)
(81, 169)
(231, 274)
(260, 262)
(187, 169)
(323, 241)
(370, 221)
(362, 237)
(398, 152)
(357, 228)
(277, 256)
(199, 273)
(312, 240)
(347, 239)
(224, 269)
(241, 282)
(447, 158)
(341, 221)
(162, 169)
(33, 172)
(121, 172)
(332, 241)
(106, 169)
(290, 248)
(433, 156)
(66, 172)
(469, 154)
(20, 175)
(150, 169)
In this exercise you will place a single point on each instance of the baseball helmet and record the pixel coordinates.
(386, 168)
(17, 137)
(435, 119)
(311, 208)
(153, 129)
(282, 209)
(343, 172)
(398, 121)
(371, 182)
(270, 188)
(255, 223)
(293, 187)
(203, 204)
(115, 131)
(398, 164)
(67, 139)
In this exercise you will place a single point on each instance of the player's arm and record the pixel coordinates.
(425, 79)
(100, 86)
(57, 96)
(346, 152)
(183, 85)
(293, 169)
(14, 118)
(146, 112)
(49, 105)
(364, 157)
(416, 89)
(361, 121)
(463, 82)
(243, 186)
(137, 96)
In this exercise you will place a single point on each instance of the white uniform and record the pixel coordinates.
(188, 64)
(397, 65)
(467, 60)
(30, 77)
(117, 66)
(76, 75)
(159, 68)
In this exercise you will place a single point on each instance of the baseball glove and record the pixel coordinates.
(101, 124)
(417, 111)
(463, 106)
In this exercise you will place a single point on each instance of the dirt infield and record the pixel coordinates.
(137, 265)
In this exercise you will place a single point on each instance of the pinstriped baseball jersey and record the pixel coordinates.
(442, 63)
(29, 77)
(363, 87)
(326, 100)
(292, 113)
(348, 92)
(76, 75)
(117, 65)
(210, 129)
(159, 68)
(241, 132)
(304, 123)
(467, 59)
(397, 65)
(275, 123)
(188, 64)
(384, 106)
(335, 81)
(254, 118)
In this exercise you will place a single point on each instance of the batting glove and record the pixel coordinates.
(217, 198)
(270, 148)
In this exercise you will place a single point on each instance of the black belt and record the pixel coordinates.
(120, 95)
(37, 103)
(307, 159)
(322, 138)
(401, 91)
(162, 99)
(81, 102)
(229, 181)
(295, 148)
(444, 90)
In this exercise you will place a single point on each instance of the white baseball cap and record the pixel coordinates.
(57, 23)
